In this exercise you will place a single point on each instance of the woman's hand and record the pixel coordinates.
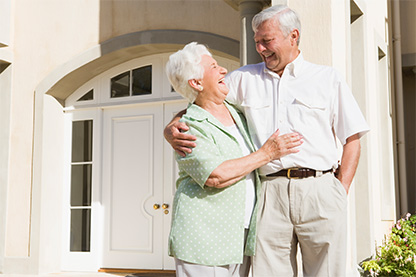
(278, 146)
(274, 148)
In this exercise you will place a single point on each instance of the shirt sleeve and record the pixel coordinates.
(205, 157)
(348, 119)
(232, 87)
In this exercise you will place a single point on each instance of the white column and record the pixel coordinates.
(248, 9)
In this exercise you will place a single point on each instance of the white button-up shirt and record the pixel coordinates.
(312, 100)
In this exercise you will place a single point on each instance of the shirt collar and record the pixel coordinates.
(296, 65)
(292, 68)
(199, 114)
(196, 112)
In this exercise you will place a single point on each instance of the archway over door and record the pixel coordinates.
(75, 73)
(96, 60)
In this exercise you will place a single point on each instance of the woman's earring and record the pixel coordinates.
(201, 88)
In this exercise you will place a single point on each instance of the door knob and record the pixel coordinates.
(156, 206)
(165, 206)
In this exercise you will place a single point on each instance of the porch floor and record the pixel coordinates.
(93, 274)
(67, 274)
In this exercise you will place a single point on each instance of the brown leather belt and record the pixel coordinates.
(298, 173)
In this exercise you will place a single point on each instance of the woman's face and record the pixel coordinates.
(213, 80)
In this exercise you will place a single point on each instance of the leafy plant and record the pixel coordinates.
(397, 254)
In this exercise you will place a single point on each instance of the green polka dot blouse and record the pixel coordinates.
(208, 223)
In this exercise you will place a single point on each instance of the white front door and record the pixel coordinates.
(138, 179)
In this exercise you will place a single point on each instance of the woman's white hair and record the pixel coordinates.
(287, 18)
(183, 66)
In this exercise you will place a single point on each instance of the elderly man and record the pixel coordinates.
(303, 202)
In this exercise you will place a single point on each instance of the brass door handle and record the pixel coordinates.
(165, 206)
(156, 206)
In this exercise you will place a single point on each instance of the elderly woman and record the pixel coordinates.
(214, 212)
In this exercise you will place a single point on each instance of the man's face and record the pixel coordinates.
(275, 49)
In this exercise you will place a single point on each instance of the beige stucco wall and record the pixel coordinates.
(374, 186)
(45, 35)
(50, 233)
(5, 87)
(5, 7)
(375, 176)
(315, 45)
(123, 17)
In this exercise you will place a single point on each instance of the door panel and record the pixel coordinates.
(132, 183)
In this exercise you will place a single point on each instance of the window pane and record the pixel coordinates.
(88, 96)
(82, 141)
(120, 85)
(80, 230)
(142, 80)
(81, 185)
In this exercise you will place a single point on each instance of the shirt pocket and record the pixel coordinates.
(307, 113)
(255, 103)
(258, 113)
(312, 104)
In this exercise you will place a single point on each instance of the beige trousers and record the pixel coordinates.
(311, 212)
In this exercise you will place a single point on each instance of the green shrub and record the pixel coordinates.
(397, 254)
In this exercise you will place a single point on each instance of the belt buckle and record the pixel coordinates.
(288, 173)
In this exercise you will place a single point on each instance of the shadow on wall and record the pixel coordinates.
(122, 38)
(409, 97)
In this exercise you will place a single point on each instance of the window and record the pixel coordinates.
(120, 85)
(88, 96)
(81, 184)
(132, 83)
(142, 80)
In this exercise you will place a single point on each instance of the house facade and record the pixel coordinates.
(86, 178)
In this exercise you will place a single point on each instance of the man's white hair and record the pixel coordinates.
(183, 66)
(287, 18)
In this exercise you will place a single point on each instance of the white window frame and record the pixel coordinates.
(89, 261)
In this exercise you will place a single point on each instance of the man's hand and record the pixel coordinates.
(182, 143)
(349, 161)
